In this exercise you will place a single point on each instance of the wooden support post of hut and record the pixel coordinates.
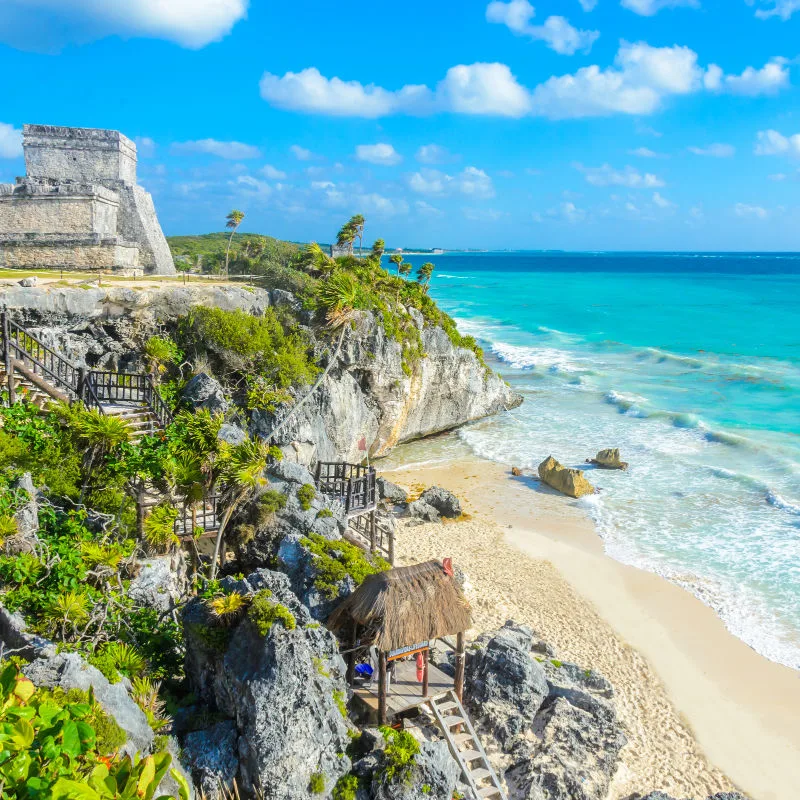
(398, 615)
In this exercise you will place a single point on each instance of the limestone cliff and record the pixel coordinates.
(366, 394)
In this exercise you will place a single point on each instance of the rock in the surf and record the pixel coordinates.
(608, 459)
(568, 481)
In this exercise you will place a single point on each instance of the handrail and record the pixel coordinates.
(43, 360)
(353, 484)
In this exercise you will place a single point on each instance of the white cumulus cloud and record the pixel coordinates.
(10, 141)
(647, 8)
(483, 89)
(606, 175)
(752, 82)
(49, 25)
(268, 171)
(588, 5)
(145, 147)
(301, 153)
(774, 143)
(645, 152)
(777, 8)
(716, 150)
(229, 150)
(662, 202)
(747, 210)
(470, 181)
(380, 153)
(556, 31)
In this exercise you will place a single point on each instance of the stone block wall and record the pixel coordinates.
(78, 154)
(83, 210)
(77, 253)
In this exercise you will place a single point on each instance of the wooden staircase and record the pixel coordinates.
(141, 420)
(466, 747)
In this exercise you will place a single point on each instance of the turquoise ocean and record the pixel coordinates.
(690, 364)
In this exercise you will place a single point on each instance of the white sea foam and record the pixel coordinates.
(774, 499)
(520, 357)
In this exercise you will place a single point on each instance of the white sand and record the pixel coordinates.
(697, 704)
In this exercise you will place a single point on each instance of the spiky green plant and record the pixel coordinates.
(8, 527)
(227, 608)
(144, 692)
(125, 658)
(98, 555)
(67, 611)
(159, 528)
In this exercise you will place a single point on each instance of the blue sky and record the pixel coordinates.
(579, 124)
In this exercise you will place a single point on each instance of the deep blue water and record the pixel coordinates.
(690, 363)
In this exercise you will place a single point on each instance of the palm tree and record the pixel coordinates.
(234, 220)
(378, 249)
(241, 472)
(424, 275)
(191, 477)
(346, 235)
(404, 268)
(358, 223)
(397, 260)
(102, 433)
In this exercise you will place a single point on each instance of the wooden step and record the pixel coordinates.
(446, 706)
(451, 722)
(460, 738)
(489, 791)
(469, 755)
(479, 774)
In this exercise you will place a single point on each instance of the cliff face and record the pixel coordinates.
(366, 394)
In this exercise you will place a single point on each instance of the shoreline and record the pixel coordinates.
(689, 692)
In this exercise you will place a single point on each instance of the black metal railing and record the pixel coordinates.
(22, 349)
(126, 389)
(352, 484)
(203, 515)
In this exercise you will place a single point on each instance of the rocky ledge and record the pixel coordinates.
(369, 392)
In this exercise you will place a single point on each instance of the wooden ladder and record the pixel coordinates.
(466, 747)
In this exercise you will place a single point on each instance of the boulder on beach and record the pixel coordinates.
(445, 502)
(516, 472)
(571, 482)
(608, 459)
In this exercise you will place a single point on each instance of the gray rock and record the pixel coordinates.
(420, 510)
(14, 637)
(161, 582)
(720, 796)
(169, 786)
(211, 756)
(391, 492)
(70, 671)
(30, 281)
(202, 391)
(293, 472)
(505, 686)
(281, 689)
(27, 517)
(575, 758)
(445, 502)
(232, 434)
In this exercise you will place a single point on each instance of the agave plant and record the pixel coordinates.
(144, 692)
(125, 659)
(8, 527)
(97, 555)
(68, 610)
(227, 608)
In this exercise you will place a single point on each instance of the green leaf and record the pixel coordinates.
(87, 736)
(23, 734)
(16, 770)
(183, 785)
(71, 739)
(65, 789)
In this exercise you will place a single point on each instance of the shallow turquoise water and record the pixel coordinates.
(691, 365)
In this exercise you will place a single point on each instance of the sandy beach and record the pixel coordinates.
(703, 712)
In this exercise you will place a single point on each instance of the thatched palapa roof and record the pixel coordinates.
(405, 606)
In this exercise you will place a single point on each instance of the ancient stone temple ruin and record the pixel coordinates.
(79, 207)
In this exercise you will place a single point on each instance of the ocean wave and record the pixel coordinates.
(665, 356)
(520, 357)
(774, 499)
(630, 404)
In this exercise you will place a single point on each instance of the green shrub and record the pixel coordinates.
(258, 347)
(316, 784)
(263, 397)
(306, 494)
(162, 352)
(346, 788)
(268, 503)
(400, 754)
(55, 744)
(323, 513)
(341, 702)
(334, 561)
(263, 613)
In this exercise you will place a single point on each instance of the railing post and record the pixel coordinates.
(349, 497)
(81, 387)
(7, 360)
(391, 547)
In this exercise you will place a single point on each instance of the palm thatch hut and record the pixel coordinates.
(400, 613)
